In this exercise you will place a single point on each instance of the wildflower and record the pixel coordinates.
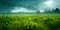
(6, 22)
(29, 18)
(28, 27)
(35, 23)
(16, 21)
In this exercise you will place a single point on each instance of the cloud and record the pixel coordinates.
(16, 10)
(9, 5)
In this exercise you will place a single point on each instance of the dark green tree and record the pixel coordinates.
(38, 11)
(57, 10)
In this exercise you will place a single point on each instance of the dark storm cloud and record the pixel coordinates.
(8, 5)
(19, 2)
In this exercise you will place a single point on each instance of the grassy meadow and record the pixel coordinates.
(29, 21)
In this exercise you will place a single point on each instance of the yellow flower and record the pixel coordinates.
(28, 27)
(31, 22)
(16, 21)
(29, 18)
(35, 23)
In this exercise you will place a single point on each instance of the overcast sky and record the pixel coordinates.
(10, 5)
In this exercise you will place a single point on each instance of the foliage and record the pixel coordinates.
(31, 22)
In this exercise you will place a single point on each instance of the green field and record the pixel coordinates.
(30, 22)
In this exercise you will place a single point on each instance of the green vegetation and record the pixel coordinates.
(30, 22)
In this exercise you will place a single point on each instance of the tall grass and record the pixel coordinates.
(31, 22)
